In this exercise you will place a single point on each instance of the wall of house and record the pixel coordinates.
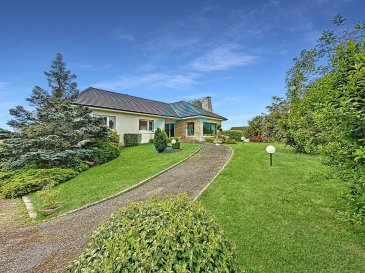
(180, 130)
(129, 123)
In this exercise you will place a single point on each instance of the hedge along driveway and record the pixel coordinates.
(132, 166)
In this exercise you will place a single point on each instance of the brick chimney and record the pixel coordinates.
(207, 104)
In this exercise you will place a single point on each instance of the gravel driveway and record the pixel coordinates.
(49, 246)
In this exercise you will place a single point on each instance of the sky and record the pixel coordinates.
(237, 52)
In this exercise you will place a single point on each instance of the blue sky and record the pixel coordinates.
(235, 51)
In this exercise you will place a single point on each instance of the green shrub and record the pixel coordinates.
(160, 140)
(151, 140)
(132, 139)
(113, 137)
(176, 146)
(230, 141)
(209, 139)
(234, 134)
(172, 235)
(102, 151)
(28, 180)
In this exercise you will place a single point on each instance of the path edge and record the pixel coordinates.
(127, 189)
(218, 173)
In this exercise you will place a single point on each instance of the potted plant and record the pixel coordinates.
(50, 198)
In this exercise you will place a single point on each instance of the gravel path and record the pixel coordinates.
(49, 246)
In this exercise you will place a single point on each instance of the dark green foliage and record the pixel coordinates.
(176, 146)
(151, 140)
(4, 134)
(234, 134)
(50, 135)
(197, 102)
(17, 183)
(326, 94)
(132, 139)
(102, 152)
(172, 235)
(160, 141)
(255, 126)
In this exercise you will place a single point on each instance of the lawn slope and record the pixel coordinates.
(132, 166)
(284, 218)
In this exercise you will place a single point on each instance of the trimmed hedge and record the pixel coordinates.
(230, 141)
(132, 139)
(234, 134)
(172, 235)
(17, 183)
(102, 151)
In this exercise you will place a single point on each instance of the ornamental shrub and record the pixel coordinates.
(234, 134)
(258, 138)
(102, 152)
(230, 141)
(160, 141)
(113, 137)
(209, 139)
(20, 182)
(132, 140)
(169, 235)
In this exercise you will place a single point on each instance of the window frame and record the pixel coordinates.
(214, 131)
(187, 129)
(107, 121)
(150, 125)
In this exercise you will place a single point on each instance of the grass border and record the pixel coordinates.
(211, 181)
(126, 190)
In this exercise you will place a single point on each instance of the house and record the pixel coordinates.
(129, 114)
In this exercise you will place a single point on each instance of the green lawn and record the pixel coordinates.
(132, 166)
(284, 218)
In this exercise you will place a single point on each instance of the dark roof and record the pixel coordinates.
(240, 128)
(95, 97)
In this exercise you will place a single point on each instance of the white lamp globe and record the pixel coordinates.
(270, 149)
(173, 141)
(243, 138)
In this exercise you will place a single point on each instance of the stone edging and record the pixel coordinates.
(128, 189)
(28, 204)
(211, 181)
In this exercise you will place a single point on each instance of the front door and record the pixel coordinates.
(170, 129)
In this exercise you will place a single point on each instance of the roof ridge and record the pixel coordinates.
(103, 90)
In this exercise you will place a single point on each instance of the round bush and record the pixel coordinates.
(172, 235)
(102, 151)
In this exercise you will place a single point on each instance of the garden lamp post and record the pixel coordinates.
(243, 139)
(173, 142)
(270, 150)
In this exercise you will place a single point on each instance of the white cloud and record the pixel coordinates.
(149, 80)
(3, 86)
(93, 66)
(123, 36)
(222, 58)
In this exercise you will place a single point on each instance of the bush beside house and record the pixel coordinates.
(160, 140)
(132, 140)
(234, 134)
(172, 235)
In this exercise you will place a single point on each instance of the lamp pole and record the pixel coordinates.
(270, 150)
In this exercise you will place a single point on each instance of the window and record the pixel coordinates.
(170, 129)
(209, 129)
(146, 125)
(108, 121)
(190, 129)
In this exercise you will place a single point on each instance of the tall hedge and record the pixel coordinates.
(172, 235)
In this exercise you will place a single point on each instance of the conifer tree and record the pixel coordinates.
(51, 133)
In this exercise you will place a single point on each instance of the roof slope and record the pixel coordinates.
(95, 97)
